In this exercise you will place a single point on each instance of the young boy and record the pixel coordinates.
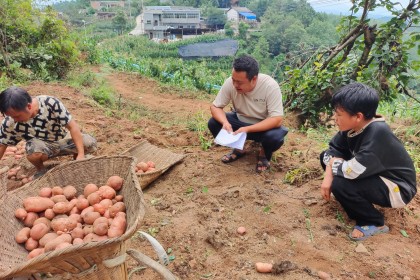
(365, 164)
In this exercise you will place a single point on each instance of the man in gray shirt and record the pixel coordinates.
(258, 110)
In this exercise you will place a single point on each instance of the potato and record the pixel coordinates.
(63, 245)
(76, 217)
(45, 192)
(49, 214)
(63, 224)
(38, 231)
(89, 188)
(31, 244)
(77, 233)
(88, 229)
(21, 214)
(117, 226)
(151, 164)
(52, 244)
(87, 210)
(94, 237)
(59, 198)
(99, 208)
(100, 228)
(69, 192)
(47, 237)
(117, 207)
(74, 210)
(241, 230)
(142, 166)
(43, 220)
(37, 204)
(82, 203)
(106, 192)
(94, 198)
(115, 182)
(30, 219)
(57, 190)
(90, 217)
(23, 235)
(62, 207)
(35, 252)
(263, 267)
(106, 203)
(77, 241)
(119, 198)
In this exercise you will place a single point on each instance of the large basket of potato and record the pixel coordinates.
(100, 256)
(152, 161)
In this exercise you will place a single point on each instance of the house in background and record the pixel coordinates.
(99, 5)
(241, 14)
(162, 22)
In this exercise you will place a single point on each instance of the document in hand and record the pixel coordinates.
(227, 139)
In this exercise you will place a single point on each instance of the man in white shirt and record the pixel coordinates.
(258, 110)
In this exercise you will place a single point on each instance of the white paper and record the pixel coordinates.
(227, 139)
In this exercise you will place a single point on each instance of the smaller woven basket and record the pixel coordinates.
(102, 260)
(163, 159)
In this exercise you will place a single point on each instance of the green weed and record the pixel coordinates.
(198, 123)
(103, 95)
(300, 175)
(80, 79)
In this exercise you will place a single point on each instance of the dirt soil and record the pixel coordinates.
(196, 207)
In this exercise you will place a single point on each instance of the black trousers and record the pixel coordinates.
(270, 140)
(357, 197)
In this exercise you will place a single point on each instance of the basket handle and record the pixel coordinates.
(160, 251)
(142, 258)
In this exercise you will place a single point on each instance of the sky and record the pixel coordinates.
(342, 7)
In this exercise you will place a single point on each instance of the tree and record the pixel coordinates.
(215, 18)
(33, 40)
(376, 54)
(242, 30)
(229, 30)
(120, 22)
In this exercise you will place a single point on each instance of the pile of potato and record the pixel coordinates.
(143, 167)
(12, 157)
(58, 217)
(16, 152)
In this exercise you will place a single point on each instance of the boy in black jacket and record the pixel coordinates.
(365, 164)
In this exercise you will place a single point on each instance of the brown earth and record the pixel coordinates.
(195, 208)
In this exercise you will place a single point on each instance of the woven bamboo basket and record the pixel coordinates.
(102, 260)
(163, 159)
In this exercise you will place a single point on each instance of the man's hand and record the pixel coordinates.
(241, 129)
(227, 126)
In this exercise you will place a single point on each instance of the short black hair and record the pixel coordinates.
(15, 98)
(356, 97)
(247, 64)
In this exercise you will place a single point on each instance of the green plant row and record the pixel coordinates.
(175, 71)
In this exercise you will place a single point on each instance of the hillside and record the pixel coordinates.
(196, 207)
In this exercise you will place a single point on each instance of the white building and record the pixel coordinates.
(238, 14)
(160, 21)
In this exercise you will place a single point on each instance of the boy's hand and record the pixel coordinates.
(326, 186)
